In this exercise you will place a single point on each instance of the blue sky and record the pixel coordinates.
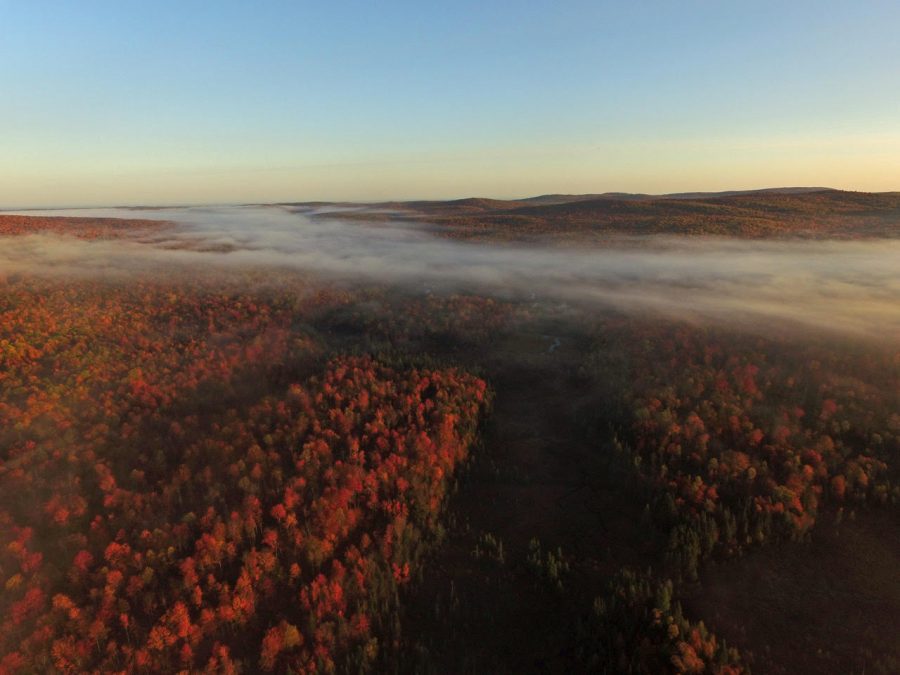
(188, 102)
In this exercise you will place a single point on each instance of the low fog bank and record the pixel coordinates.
(847, 287)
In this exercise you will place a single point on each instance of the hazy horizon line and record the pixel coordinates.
(362, 202)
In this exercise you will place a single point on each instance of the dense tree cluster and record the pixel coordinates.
(82, 228)
(637, 627)
(734, 440)
(742, 438)
(162, 507)
(434, 321)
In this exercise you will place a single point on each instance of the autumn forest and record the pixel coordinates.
(453, 437)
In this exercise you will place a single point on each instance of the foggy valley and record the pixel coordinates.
(450, 338)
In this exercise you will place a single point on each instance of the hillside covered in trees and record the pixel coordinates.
(804, 213)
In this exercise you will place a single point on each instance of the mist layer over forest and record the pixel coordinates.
(839, 286)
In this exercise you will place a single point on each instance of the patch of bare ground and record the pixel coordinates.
(537, 478)
(828, 606)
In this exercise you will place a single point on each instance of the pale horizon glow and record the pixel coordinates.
(126, 103)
